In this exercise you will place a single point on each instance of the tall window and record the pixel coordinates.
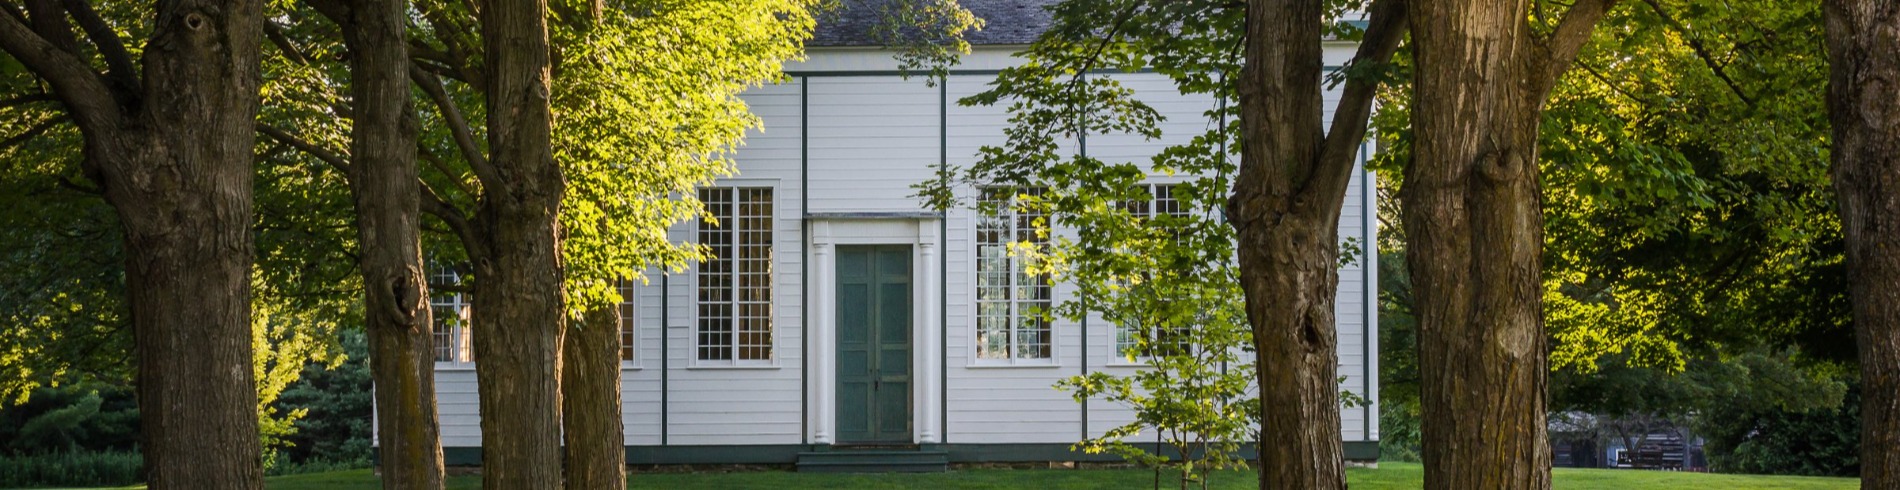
(626, 320)
(735, 285)
(1161, 340)
(449, 310)
(1012, 305)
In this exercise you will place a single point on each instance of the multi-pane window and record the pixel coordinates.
(450, 312)
(1161, 340)
(735, 285)
(1012, 304)
(627, 312)
(1161, 202)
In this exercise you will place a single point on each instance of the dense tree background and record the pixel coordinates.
(1691, 238)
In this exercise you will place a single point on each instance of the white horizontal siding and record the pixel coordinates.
(457, 407)
(871, 139)
(773, 150)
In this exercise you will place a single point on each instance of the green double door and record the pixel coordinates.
(874, 344)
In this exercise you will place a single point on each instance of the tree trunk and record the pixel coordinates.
(1473, 215)
(1864, 106)
(383, 180)
(517, 319)
(1473, 212)
(518, 310)
(590, 403)
(1293, 283)
(172, 153)
(1286, 206)
(185, 202)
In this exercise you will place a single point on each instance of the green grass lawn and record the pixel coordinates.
(1388, 476)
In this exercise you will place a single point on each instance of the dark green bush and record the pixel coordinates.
(335, 432)
(1820, 442)
(71, 469)
(316, 466)
(78, 417)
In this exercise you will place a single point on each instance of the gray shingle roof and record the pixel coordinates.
(1004, 22)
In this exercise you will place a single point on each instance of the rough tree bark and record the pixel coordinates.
(1863, 99)
(590, 402)
(384, 182)
(1286, 205)
(1473, 212)
(518, 309)
(169, 142)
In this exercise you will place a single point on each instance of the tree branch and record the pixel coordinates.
(1572, 32)
(1701, 51)
(1114, 31)
(13, 11)
(49, 21)
(32, 132)
(84, 93)
(457, 222)
(455, 53)
(458, 126)
(336, 10)
(442, 166)
(120, 69)
(439, 69)
(339, 162)
(69, 183)
(1605, 80)
(26, 99)
(275, 34)
(423, 51)
(1344, 139)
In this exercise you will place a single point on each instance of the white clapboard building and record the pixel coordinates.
(843, 314)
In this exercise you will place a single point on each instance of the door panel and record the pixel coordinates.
(874, 344)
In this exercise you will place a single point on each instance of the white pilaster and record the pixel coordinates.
(929, 394)
(821, 331)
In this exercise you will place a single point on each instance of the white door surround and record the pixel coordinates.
(921, 233)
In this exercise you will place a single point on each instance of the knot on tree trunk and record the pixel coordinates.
(1311, 338)
(404, 300)
(1501, 166)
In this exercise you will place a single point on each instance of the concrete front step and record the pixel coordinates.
(874, 461)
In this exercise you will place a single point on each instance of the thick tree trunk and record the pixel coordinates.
(1285, 208)
(518, 310)
(1473, 212)
(1863, 40)
(517, 318)
(173, 154)
(1290, 271)
(383, 180)
(590, 403)
(185, 201)
(1288, 247)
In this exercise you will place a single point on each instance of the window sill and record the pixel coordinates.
(1123, 363)
(454, 366)
(1049, 365)
(740, 367)
(630, 366)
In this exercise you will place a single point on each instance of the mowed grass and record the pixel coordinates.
(1388, 476)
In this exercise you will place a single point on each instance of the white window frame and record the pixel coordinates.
(1115, 345)
(459, 348)
(976, 359)
(771, 275)
(629, 327)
